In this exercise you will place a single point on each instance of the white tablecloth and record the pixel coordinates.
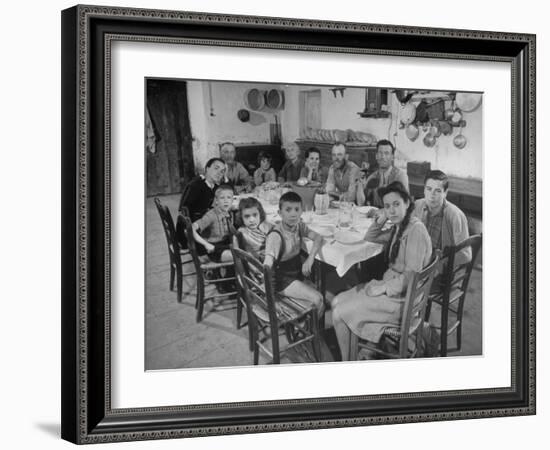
(341, 256)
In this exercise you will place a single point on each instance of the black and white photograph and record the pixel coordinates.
(291, 223)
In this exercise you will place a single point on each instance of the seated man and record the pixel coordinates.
(445, 222)
(198, 195)
(293, 165)
(385, 174)
(235, 175)
(343, 175)
(312, 169)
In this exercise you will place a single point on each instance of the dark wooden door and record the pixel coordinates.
(171, 166)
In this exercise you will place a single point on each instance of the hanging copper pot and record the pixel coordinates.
(460, 141)
(435, 129)
(408, 113)
(412, 132)
(467, 101)
(254, 99)
(429, 140)
(449, 112)
(446, 128)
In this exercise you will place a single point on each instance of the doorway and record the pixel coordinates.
(169, 146)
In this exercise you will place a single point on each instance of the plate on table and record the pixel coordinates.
(348, 237)
(325, 230)
(364, 209)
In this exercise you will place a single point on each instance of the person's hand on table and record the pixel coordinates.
(306, 267)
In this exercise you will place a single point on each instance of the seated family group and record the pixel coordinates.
(410, 230)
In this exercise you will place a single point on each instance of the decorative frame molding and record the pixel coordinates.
(87, 34)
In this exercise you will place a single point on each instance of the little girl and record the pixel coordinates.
(255, 229)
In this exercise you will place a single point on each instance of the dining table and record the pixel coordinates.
(343, 246)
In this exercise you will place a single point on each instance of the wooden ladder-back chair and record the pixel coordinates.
(236, 243)
(175, 252)
(202, 268)
(271, 314)
(412, 321)
(451, 293)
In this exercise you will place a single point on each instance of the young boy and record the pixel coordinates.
(265, 172)
(293, 166)
(216, 225)
(282, 252)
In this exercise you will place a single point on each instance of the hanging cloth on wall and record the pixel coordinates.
(151, 135)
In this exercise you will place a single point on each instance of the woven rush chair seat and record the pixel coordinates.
(286, 308)
(211, 265)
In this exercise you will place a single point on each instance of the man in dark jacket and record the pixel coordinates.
(198, 195)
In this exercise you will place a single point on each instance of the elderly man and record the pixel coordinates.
(445, 222)
(312, 169)
(235, 175)
(385, 174)
(342, 175)
(198, 195)
(290, 171)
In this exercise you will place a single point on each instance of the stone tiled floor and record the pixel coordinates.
(173, 338)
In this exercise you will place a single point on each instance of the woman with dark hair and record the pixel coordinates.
(367, 309)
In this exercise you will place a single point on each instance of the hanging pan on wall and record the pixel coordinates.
(254, 99)
(460, 140)
(275, 99)
(243, 115)
(467, 102)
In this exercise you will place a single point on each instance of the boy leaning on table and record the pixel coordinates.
(282, 253)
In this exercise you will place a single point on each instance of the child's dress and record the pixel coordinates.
(254, 240)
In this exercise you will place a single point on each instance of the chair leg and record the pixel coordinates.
(172, 274)
(353, 347)
(428, 311)
(200, 297)
(239, 312)
(275, 346)
(444, 327)
(179, 280)
(256, 353)
(250, 336)
(459, 336)
(316, 343)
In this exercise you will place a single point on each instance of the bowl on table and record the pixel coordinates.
(348, 237)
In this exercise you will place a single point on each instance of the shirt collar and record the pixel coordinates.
(208, 183)
(440, 213)
(347, 165)
(220, 212)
